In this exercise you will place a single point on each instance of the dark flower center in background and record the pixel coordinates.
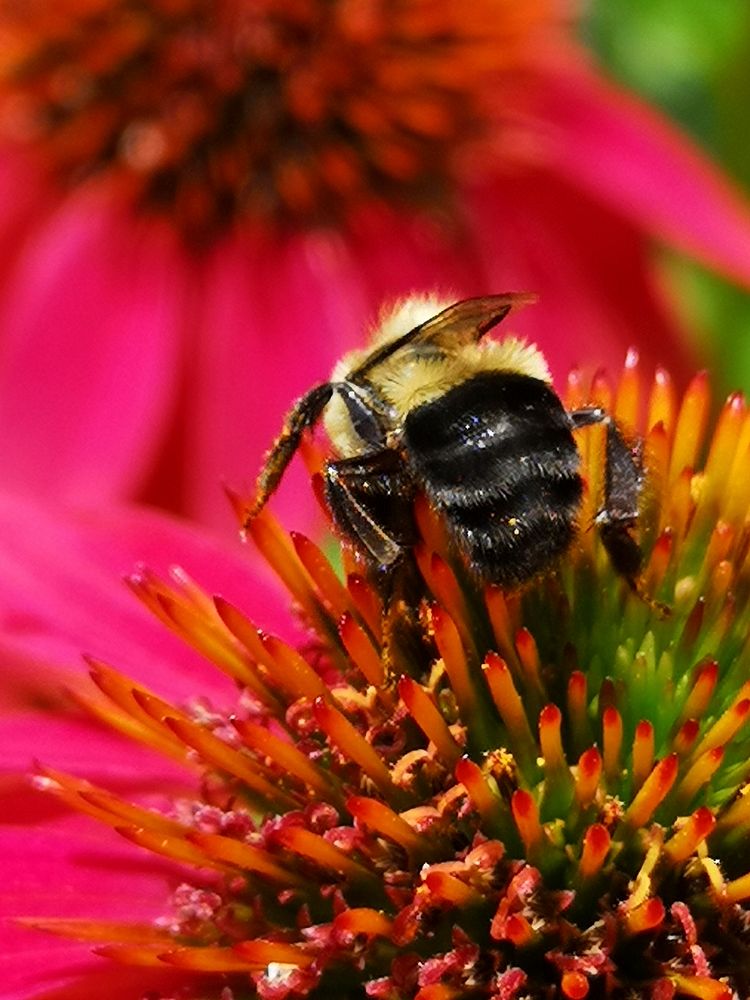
(285, 110)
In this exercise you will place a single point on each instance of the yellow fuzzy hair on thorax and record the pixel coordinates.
(415, 375)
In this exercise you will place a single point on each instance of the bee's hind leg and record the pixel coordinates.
(617, 519)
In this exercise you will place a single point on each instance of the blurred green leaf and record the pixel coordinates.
(693, 60)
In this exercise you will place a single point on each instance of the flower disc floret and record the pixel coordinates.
(480, 793)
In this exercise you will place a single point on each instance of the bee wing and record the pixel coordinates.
(467, 321)
(463, 323)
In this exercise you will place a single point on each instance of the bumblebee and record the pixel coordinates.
(476, 426)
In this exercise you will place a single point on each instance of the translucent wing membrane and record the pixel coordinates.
(460, 324)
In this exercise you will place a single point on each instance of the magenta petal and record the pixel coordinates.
(89, 365)
(277, 315)
(72, 868)
(602, 139)
(50, 971)
(25, 197)
(61, 593)
(596, 295)
(398, 255)
(81, 746)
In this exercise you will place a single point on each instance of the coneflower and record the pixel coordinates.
(185, 182)
(545, 798)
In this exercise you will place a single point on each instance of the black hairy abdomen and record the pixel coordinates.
(497, 456)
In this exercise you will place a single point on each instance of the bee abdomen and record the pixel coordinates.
(497, 456)
(511, 540)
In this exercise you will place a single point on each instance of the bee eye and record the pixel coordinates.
(366, 421)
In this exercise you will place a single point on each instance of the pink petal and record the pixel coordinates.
(73, 868)
(48, 971)
(61, 593)
(20, 686)
(634, 160)
(398, 255)
(590, 267)
(83, 747)
(90, 321)
(25, 198)
(276, 317)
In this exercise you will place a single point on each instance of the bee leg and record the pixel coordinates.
(303, 414)
(371, 499)
(617, 519)
(587, 416)
(408, 648)
(353, 519)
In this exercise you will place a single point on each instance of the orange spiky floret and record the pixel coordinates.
(548, 799)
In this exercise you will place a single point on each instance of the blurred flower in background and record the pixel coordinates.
(692, 61)
(201, 201)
